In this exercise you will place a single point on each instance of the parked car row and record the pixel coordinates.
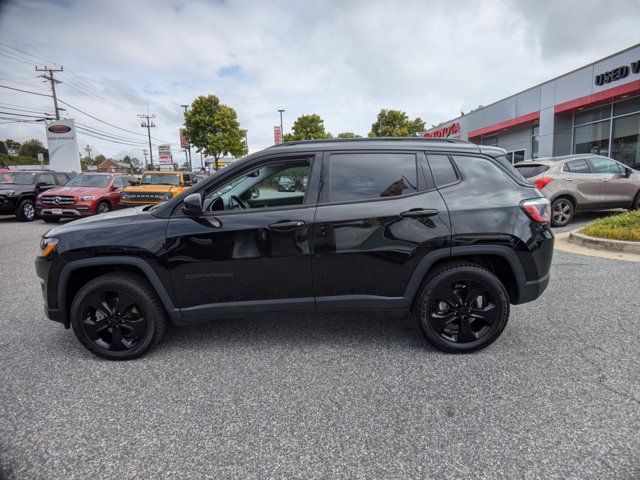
(55, 195)
(579, 183)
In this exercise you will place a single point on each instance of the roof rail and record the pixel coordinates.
(372, 139)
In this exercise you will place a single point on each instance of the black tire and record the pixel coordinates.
(636, 202)
(49, 219)
(114, 331)
(26, 211)
(103, 207)
(562, 211)
(451, 318)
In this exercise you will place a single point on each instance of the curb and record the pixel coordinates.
(578, 238)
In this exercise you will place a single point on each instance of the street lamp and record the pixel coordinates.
(186, 108)
(281, 128)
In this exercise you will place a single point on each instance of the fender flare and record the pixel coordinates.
(144, 267)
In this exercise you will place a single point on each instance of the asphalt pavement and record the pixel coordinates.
(328, 396)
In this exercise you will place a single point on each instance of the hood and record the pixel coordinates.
(16, 188)
(75, 191)
(117, 217)
(150, 188)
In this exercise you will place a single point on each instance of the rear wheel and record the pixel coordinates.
(562, 211)
(462, 307)
(118, 316)
(26, 211)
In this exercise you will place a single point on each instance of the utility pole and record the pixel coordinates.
(281, 128)
(186, 108)
(53, 85)
(148, 124)
(144, 152)
(88, 150)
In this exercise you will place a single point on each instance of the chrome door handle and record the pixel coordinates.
(604, 179)
(568, 179)
(419, 212)
(286, 226)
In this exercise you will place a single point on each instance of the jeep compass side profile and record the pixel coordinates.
(445, 230)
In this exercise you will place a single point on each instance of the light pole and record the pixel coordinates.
(186, 108)
(281, 128)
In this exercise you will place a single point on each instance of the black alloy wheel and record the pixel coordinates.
(103, 207)
(118, 316)
(561, 212)
(462, 307)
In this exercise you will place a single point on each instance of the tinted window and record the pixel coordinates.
(483, 177)
(442, 170)
(576, 166)
(604, 165)
(47, 179)
(361, 176)
(528, 171)
(61, 178)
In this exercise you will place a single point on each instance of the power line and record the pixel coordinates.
(29, 54)
(24, 91)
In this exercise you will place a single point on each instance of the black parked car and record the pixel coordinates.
(445, 230)
(19, 189)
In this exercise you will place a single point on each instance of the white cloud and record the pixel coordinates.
(342, 60)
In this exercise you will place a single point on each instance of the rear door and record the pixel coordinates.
(378, 216)
(582, 182)
(616, 190)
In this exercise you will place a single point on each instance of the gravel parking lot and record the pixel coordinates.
(358, 396)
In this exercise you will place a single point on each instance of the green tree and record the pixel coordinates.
(31, 148)
(3, 147)
(394, 123)
(307, 127)
(213, 128)
(12, 144)
(348, 135)
(98, 159)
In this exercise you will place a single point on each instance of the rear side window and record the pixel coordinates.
(529, 171)
(365, 176)
(442, 170)
(576, 166)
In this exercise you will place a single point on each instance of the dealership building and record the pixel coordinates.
(594, 109)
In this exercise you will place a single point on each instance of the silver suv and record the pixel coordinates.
(578, 183)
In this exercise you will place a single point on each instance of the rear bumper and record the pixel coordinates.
(529, 291)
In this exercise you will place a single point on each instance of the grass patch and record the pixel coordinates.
(623, 226)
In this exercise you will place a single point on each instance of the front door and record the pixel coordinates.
(583, 182)
(250, 249)
(377, 219)
(616, 189)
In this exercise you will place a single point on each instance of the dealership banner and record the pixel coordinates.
(164, 153)
(184, 142)
(62, 143)
(277, 135)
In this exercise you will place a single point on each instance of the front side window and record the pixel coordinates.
(47, 179)
(89, 180)
(605, 165)
(278, 184)
(576, 166)
(366, 176)
(119, 182)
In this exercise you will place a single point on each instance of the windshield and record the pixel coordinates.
(18, 178)
(88, 180)
(160, 179)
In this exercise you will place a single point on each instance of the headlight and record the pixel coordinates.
(167, 196)
(8, 193)
(48, 245)
(39, 196)
(124, 196)
(87, 198)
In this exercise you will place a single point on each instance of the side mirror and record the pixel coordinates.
(627, 172)
(113, 188)
(192, 204)
(254, 192)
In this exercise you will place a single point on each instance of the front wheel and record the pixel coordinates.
(118, 316)
(462, 307)
(561, 212)
(26, 211)
(103, 207)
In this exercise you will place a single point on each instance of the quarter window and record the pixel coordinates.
(365, 176)
(442, 170)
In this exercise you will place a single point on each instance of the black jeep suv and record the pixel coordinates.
(445, 230)
(19, 189)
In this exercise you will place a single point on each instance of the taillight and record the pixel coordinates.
(543, 182)
(538, 209)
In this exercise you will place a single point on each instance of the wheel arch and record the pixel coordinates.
(77, 273)
(567, 196)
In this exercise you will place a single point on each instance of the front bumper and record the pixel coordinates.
(8, 204)
(51, 310)
(64, 212)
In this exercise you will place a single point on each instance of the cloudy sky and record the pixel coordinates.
(343, 60)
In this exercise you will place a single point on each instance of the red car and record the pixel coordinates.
(83, 195)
